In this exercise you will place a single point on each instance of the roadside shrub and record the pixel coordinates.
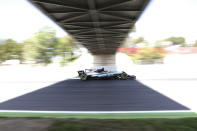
(148, 54)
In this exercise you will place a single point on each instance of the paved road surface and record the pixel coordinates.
(94, 95)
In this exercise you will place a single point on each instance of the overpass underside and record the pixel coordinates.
(99, 25)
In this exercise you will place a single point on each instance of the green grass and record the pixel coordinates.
(158, 124)
(186, 121)
(100, 116)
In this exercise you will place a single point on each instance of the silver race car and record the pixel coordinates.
(88, 74)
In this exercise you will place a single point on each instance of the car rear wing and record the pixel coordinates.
(81, 72)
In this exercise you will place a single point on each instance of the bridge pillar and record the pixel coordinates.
(106, 61)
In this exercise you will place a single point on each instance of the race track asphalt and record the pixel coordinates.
(93, 95)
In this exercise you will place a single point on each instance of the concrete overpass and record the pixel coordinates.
(99, 25)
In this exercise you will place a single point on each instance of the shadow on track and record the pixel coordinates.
(94, 95)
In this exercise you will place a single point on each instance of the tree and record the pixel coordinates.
(2, 57)
(138, 40)
(130, 42)
(41, 46)
(64, 48)
(195, 44)
(44, 46)
(11, 50)
(29, 53)
(176, 40)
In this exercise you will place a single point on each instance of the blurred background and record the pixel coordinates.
(29, 37)
(35, 52)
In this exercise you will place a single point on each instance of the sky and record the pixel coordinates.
(166, 18)
(19, 20)
(161, 19)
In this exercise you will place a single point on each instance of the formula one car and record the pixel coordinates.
(102, 74)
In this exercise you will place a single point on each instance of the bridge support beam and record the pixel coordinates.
(106, 61)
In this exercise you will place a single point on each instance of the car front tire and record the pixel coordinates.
(124, 76)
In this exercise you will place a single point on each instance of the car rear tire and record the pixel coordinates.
(83, 77)
(124, 76)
